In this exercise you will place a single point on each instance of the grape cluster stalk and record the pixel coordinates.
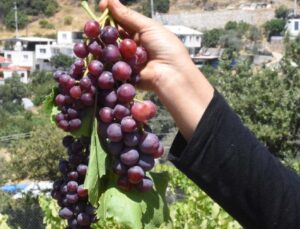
(104, 78)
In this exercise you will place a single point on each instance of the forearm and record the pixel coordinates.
(186, 95)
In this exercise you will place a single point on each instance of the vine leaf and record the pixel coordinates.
(96, 168)
(49, 101)
(134, 209)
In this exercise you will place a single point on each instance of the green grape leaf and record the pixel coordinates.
(86, 125)
(96, 168)
(53, 113)
(49, 101)
(134, 209)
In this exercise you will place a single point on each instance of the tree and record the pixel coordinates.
(37, 157)
(161, 6)
(282, 12)
(61, 61)
(274, 27)
(10, 21)
(211, 38)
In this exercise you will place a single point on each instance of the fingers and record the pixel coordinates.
(126, 17)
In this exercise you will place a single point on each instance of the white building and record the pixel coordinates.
(293, 26)
(191, 38)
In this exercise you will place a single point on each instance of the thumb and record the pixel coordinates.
(126, 17)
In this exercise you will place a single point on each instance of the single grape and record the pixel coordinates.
(74, 124)
(146, 162)
(92, 29)
(59, 117)
(63, 124)
(83, 219)
(73, 223)
(129, 156)
(81, 50)
(152, 108)
(128, 124)
(75, 159)
(72, 198)
(57, 75)
(158, 152)
(65, 213)
(110, 99)
(149, 142)
(68, 100)
(72, 113)
(145, 185)
(70, 83)
(128, 48)
(78, 66)
(87, 99)
(95, 49)
(120, 111)
(103, 130)
(106, 80)
(126, 93)
(64, 79)
(119, 168)
(142, 56)
(56, 195)
(82, 192)
(124, 184)
(95, 68)
(72, 186)
(121, 71)
(60, 100)
(131, 139)
(77, 147)
(106, 115)
(75, 92)
(73, 176)
(63, 189)
(85, 83)
(115, 148)
(135, 174)
(82, 169)
(57, 184)
(140, 112)
(114, 132)
(111, 54)
(109, 35)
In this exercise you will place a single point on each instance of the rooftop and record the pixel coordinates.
(30, 39)
(182, 30)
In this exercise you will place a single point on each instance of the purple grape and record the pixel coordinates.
(83, 219)
(129, 156)
(106, 80)
(60, 100)
(90, 210)
(159, 151)
(114, 132)
(95, 68)
(70, 83)
(124, 184)
(103, 130)
(142, 56)
(131, 139)
(65, 213)
(145, 185)
(95, 49)
(87, 99)
(109, 35)
(78, 66)
(115, 148)
(82, 169)
(120, 111)
(128, 124)
(75, 92)
(119, 168)
(111, 54)
(148, 143)
(72, 113)
(64, 189)
(81, 50)
(75, 159)
(121, 71)
(92, 29)
(126, 93)
(57, 184)
(72, 186)
(63, 79)
(73, 223)
(57, 75)
(64, 166)
(146, 162)
(106, 115)
(82, 192)
(75, 124)
(72, 198)
(72, 176)
(110, 100)
(135, 174)
(85, 83)
(59, 117)
(63, 124)
(56, 195)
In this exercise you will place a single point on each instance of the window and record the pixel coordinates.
(8, 56)
(43, 51)
(64, 35)
(22, 75)
(56, 51)
(296, 25)
(25, 57)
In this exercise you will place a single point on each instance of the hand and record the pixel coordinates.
(167, 55)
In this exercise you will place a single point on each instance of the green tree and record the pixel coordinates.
(282, 12)
(274, 27)
(61, 61)
(161, 6)
(37, 157)
(211, 38)
(10, 20)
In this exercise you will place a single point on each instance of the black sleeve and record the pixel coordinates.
(226, 160)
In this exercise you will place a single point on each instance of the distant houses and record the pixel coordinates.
(293, 26)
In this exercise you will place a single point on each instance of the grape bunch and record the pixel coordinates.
(68, 190)
(104, 77)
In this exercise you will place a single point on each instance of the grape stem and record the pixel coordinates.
(138, 100)
(103, 16)
(86, 7)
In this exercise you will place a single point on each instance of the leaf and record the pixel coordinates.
(54, 112)
(49, 101)
(136, 210)
(96, 168)
(86, 125)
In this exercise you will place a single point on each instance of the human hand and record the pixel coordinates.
(167, 55)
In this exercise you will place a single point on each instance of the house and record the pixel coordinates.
(293, 26)
(7, 69)
(208, 56)
(191, 38)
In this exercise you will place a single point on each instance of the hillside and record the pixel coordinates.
(71, 8)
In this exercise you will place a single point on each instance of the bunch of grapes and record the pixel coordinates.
(69, 191)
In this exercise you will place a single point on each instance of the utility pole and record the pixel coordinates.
(16, 18)
(152, 8)
(295, 8)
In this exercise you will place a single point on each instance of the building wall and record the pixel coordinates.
(293, 27)
(23, 75)
(43, 52)
(64, 37)
(21, 58)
